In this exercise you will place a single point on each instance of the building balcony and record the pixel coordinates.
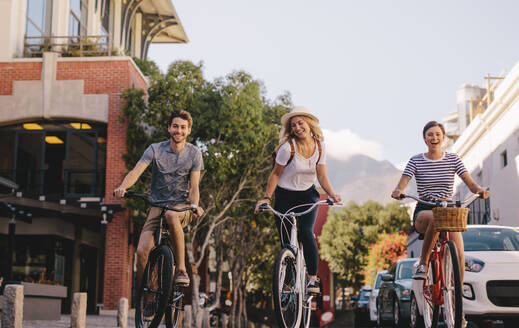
(68, 46)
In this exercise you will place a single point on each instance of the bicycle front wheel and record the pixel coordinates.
(430, 310)
(287, 295)
(307, 301)
(152, 298)
(452, 306)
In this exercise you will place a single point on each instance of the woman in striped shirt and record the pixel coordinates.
(434, 173)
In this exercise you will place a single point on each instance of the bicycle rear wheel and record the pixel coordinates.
(453, 303)
(152, 297)
(288, 298)
(175, 309)
(430, 311)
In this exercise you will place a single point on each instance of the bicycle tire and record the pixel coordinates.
(287, 296)
(430, 311)
(306, 314)
(175, 309)
(155, 288)
(452, 291)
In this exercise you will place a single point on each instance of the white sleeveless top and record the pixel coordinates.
(300, 173)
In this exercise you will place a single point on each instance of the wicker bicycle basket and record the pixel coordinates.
(450, 218)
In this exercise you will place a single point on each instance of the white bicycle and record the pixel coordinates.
(292, 303)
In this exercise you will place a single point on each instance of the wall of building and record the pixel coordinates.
(480, 147)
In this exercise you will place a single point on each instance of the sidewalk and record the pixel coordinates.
(103, 320)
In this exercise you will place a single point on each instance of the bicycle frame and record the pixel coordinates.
(437, 260)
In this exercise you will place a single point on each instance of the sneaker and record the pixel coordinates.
(181, 278)
(313, 286)
(420, 273)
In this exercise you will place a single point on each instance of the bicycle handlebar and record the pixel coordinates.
(133, 194)
(267, 207)
(443, 203)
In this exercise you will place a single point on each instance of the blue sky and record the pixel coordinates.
(374, 72)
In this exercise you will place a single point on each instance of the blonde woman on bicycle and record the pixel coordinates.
(300, 159)
(434, 174)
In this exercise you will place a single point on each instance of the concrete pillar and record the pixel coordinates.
(78, 312)
(122, 313)
(12, 309)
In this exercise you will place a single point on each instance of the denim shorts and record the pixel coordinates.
(420, 207)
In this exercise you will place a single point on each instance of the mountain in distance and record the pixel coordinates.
(362, 178)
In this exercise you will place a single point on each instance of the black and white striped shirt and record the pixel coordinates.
(434, 178)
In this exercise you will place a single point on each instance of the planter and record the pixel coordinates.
(42, 302)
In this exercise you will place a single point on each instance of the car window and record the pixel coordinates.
(491, 239)
(405, 270)
(378, 281)
(364, 295)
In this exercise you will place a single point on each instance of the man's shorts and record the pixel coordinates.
(152, 221)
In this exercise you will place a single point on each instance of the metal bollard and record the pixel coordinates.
(78, 312)
(12, 310)
(122, 313)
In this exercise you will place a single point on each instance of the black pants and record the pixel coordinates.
(286, 199)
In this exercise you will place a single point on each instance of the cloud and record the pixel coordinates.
(343, 144)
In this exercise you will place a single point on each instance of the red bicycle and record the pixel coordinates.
(442, 286)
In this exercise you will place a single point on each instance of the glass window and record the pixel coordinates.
(78, 17)
(7, 159)
(491, 239)
(378, 281)
(38, 17)
(405, 271)
(55, 159)
(81, 163)
(54, 176)
(29, 162)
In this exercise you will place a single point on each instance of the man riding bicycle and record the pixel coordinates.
(176, 166)
(434, 174)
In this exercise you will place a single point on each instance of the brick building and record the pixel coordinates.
(63, 67)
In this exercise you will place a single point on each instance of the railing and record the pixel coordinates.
(68, 46)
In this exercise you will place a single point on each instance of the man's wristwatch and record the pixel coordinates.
(267, 197)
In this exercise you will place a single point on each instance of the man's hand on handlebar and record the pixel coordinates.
(119, 192)
(199, 211)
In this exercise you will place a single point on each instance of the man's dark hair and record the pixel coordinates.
(432, 124)
(183, 114)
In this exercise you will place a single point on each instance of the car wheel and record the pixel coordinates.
(380, 322)
(397, 322)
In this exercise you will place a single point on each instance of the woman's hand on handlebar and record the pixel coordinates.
(396, 194)
(336, 198)
(259, 203)
(483, 192)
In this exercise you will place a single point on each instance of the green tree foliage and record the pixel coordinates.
(349, 232)
(389, 248)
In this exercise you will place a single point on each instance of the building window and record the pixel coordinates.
(55, 159)
(479, 211)
(105, 17)
(38, 18)
(503, 159)
(78, 17)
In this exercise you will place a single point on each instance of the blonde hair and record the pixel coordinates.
(286, 131)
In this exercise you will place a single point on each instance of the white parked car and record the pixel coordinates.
(491, 284)
(373, 297)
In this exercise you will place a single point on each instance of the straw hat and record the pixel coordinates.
(297, 111)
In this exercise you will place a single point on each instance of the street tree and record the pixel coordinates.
(349, 232)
